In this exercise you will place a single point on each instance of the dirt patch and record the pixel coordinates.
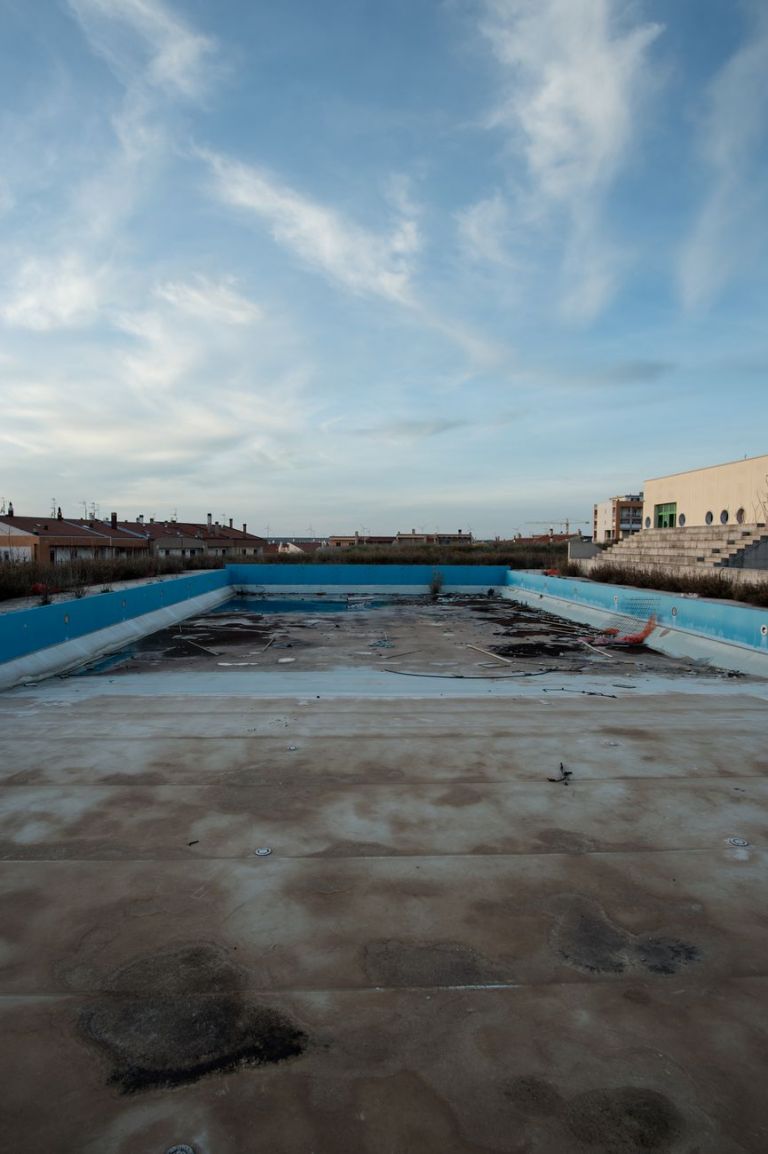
(172, 1018)
(587, 939)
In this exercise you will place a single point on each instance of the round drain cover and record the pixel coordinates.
(263, 851)
(181, 1149)
(738, 841)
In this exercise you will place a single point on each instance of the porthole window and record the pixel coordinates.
(647, 522)
(724, 517)
(681, 520)
(709, 518)
(740, 516)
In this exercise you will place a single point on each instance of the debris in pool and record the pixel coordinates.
(180, 1148)
(291, 748)
(564, 775)
(196, 842)
(262, 851)
(285, 660)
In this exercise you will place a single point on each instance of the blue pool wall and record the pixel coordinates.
(413, 578)
(27, 631)
(725, 621)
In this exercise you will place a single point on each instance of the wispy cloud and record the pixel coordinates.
(51, 294)
(358, 259)
(410, 429)
(147, 39)
(210, 302)
(573, 73)
(730, 232)
(483, 229)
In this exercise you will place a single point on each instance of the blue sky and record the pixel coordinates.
(422, 263)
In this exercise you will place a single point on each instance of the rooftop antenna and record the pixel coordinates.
(84, 503)
(94, 510)
(2, 507)
(53, 506)
(174, 516)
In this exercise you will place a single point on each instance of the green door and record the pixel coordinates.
(665, 516)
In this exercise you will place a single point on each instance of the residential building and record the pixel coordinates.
(616, 518)
(56, 540)
(192, 539)
(338, 542)
(412, 538)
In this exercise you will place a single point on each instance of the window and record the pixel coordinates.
(681, 520)
(724, 517)
(647, 522)
(709, 518)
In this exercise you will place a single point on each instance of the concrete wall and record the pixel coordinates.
(583, 550)
(730, 487)
(732, 573)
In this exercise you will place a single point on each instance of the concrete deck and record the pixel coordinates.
(445, 951)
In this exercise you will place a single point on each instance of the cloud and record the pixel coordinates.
(413, 429)
(730, 231)
(147, 39)
(363, 262)
(573, 77)
(60, 293)
(482, 229)
(210, 302)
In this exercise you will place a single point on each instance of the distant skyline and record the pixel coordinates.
(416, 264)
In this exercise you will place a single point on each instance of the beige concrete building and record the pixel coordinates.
(735, 493)
(616, 518)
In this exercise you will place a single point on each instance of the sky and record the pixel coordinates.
(429, 264)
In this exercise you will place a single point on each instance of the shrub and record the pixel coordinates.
(705, 585)
(22, 578)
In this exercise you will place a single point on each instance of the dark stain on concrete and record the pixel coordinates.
(618, 1120)
(586, 938)
(171, 1018)
(408, 964)
(665, 955)
(624, 1120)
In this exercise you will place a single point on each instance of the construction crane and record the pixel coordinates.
(554, 521)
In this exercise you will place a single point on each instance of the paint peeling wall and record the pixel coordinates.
(720, 620)
(29, 630)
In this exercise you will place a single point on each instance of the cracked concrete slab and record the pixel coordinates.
(445, 950)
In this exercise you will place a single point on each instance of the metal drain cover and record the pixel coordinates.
(737, 841)
(181, 1149)
(263, 851)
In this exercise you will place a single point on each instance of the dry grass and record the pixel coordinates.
(23, 578)
(714, 585)
(544, 556)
